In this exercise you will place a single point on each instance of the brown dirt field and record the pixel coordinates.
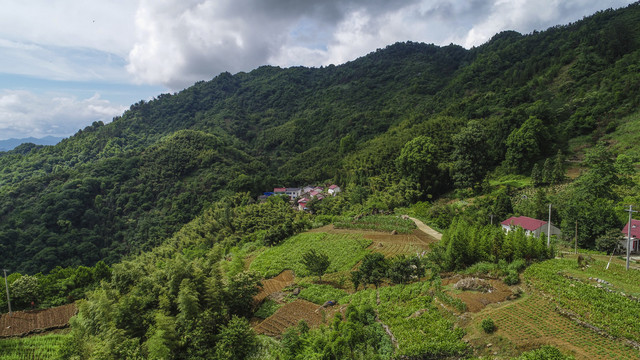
(477, 300)
(274, 285)
(22, 323)
(289, 315)
(408, 244)
(532, 321)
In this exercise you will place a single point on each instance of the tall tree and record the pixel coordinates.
(525, 145)
(418, 162)
(316, 263)
(470, 155)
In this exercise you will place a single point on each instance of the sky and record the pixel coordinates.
(67, 63)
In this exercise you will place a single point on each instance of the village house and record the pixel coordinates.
(635, 235)
(531, 226)
(333, 190)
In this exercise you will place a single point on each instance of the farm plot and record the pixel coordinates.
(478, 300)
(33, 347)
(289, 315)
(344, 251)
(533, 321)
(419, 327)
(391, 245)
(274, 285)
(607, 309)
(26, 322)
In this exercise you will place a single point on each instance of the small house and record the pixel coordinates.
(334, 189)
(531, 226)
(279, 191)
(635, 235)
(293, 192)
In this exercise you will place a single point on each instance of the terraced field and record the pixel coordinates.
(533, 321)
(26, 322)
(391, 245)
(274, 285)
(289, 315)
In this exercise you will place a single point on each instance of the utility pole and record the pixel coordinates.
(549, 228)
(576, 239)
(629, 234)
(6, 284)
(491, 216)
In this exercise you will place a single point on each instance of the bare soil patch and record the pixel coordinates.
(22, 323)
(274, 285)
(290, 314)
(495, 291)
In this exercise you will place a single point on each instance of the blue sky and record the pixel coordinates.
(67, 63)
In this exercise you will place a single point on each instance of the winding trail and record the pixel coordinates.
(426, 229)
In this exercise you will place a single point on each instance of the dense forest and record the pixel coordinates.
(406, 123)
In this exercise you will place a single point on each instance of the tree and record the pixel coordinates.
(374, 269)
(547, 171)
(536, 175)
(609, 241)
(470, 156)
(240, 292)
(558, 171)
(418, 162)
(403, 269)
(525, 144)
(236, 340)
(316, 263)
(24, 291)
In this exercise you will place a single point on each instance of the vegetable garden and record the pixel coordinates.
(32, 348)
(344, 251)
(533, 321)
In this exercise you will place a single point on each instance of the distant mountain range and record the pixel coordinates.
(10, 144)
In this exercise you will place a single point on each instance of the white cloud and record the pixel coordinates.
(179, 42)
(23, 113)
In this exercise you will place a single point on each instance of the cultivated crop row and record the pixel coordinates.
(613, 312)
(533, 321)
(344, 251)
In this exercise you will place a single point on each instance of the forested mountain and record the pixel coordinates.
(405, 123)
(10, 144)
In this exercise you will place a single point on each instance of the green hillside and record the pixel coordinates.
(406, 123)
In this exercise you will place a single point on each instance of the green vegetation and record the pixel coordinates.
(344, 252)
(377, 223)
(415, 320)
(488, 326)
(316, 263)
(465, 244)
(609, 310)
(319, 294)
(358, 337)
(268, 308)
(33, 347)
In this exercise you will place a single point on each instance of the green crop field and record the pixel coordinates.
(31, 348)
(344, 251)
(598, 304)
(415, 320)
(533, 320)
(377, 223)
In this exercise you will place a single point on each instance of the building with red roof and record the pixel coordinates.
(531, 226)
(635, 235)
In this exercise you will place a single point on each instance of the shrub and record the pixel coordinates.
(488, 326)
(512, 278)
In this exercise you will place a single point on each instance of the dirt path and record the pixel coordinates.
(426, 229)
